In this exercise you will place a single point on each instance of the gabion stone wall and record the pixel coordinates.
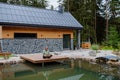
(27, 46)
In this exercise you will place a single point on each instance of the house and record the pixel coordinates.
(26, 29)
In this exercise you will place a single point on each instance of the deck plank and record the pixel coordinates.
(38, 58)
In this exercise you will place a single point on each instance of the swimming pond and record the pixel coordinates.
(73, 70)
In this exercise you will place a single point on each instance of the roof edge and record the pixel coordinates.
(39, 26)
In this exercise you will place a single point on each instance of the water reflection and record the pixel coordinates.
(72, 70)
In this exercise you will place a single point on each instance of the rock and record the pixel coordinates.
(92, 53)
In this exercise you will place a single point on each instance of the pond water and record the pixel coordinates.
(72, 70)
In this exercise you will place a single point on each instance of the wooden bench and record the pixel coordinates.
(5, 55)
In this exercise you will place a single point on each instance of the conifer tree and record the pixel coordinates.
(35, 3)
(113, 37)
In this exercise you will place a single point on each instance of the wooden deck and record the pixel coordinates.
(38, 58)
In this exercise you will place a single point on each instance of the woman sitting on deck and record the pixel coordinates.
(46, 53)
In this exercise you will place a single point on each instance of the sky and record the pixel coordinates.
(52, 2)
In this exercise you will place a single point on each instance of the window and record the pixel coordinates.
(25, 35)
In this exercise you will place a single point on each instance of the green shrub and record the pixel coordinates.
(95, 47)
(118, 46)
(107, 48)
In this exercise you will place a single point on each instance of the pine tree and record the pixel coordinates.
(84, 12)
(113, 37)
(3, 1)
(35, 3)
(115, 6)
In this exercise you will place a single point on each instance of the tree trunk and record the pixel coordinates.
(106, 29)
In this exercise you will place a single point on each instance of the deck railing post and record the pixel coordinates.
(42, 64)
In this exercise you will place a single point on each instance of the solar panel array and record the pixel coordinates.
(29, 15)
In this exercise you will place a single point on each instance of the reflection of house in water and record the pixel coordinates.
(9, 71)
(51, 71)
(25, 71)
(56, 71)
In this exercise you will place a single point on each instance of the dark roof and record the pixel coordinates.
(30, 16)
